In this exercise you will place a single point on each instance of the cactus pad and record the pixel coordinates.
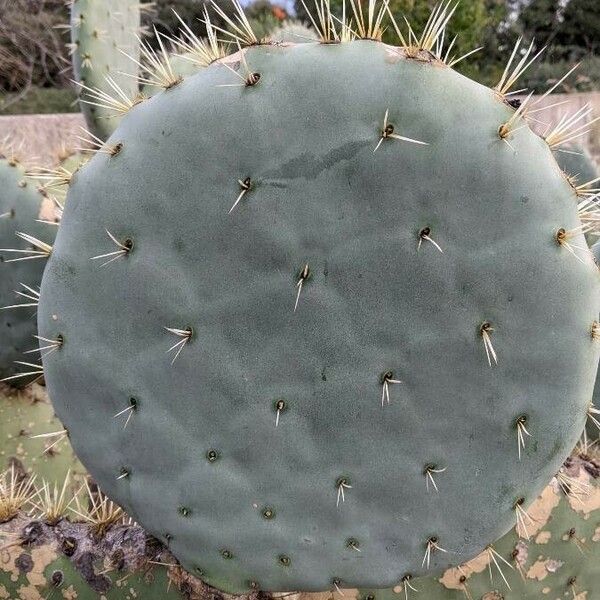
(347, 321)
(293, 32)
(562, 559)
(101, 31)
(593, 424)
(578, 163)
(21, 206)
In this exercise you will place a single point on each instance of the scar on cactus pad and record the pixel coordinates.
(321, 269)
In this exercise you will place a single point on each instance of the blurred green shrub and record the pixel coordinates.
(39, 101)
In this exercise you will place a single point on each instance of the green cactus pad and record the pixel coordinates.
(101, 31)
(181, 65)
(561, 560)
(294, 32)
(578, 163)
(561, 557)
(21, 206)
(405, 265)
(592, 429)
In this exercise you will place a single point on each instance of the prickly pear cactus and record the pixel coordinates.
(326, 321)
(294, 32)
(22, 206)
(102, 33)
(71, 161)
(182, 65)
(190, 55)
(562, 558)
(593, 424)
(578, 163)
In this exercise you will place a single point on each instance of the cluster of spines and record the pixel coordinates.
(52, 501)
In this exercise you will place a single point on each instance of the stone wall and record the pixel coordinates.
(40, 139)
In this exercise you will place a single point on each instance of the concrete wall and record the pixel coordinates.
(42, 137)
(573, 103)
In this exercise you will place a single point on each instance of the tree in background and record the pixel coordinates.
(539, 21)
(571, 32)
(570, 29)
(32, 49)
(190, 11)
(580, 27)
(265, 17)
(481, 23)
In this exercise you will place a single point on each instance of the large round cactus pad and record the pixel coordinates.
(263, 448)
